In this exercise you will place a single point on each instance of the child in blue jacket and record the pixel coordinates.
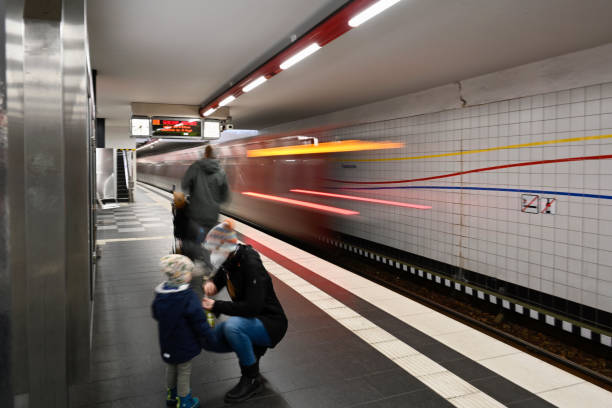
(182, 326)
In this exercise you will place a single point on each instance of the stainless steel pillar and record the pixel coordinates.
(16, 198)
(49, 257)
(45, 214)
(78, 112)
(6, 399)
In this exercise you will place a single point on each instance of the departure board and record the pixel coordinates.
(177, 127)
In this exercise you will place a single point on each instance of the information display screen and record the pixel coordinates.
(178, 127)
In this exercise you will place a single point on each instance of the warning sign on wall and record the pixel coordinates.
(548, 205)
(530, 203)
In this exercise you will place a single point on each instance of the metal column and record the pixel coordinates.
(6, 398)
(77, 106)
(48, 193)
(16, 199)
(45, 210)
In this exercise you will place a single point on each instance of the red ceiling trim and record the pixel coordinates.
(325, 32)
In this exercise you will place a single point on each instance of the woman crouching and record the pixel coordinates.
(257, 320)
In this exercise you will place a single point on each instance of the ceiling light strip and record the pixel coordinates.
(326, 208)
(209, 112)
(311, 49)
(260, 80)
(325, 32)
(356, 198)
(227, 100)
(371, 11)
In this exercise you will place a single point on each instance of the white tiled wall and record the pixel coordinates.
(568, 254)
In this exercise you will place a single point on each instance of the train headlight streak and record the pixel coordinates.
(227, 100)
(254, 84)
(312, 48)
(371, 11)
(327, 208)
(370, 200)
(210, 111)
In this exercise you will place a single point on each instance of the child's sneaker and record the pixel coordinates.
(187, 402)
(171, 397)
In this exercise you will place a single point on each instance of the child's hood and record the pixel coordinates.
(162, 289)
(170, 304)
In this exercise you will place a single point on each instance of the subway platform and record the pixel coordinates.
(350, 342)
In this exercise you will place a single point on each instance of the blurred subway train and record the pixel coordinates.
(283, 183)
(260, 186)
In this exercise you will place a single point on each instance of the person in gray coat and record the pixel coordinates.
(206, 183)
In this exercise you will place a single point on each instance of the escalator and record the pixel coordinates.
(123, 192)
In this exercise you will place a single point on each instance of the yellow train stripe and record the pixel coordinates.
(327, 147)
(515, 146)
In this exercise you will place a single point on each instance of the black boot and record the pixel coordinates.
(259, 351)
(249, 384)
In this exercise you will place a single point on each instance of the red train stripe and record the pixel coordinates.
(302, 203)
(356, 198)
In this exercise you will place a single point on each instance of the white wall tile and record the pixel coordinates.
(606, 105)
(563, 97)
(593, 92)
(577, 95)
(589, 298)
(605, 257)
(535, 250)
(606, 120)
(604, 273)
(606, 90)
(604, 302)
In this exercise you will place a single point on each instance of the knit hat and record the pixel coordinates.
(176, 269)
(222, 238)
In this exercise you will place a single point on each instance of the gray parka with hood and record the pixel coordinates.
(206, 182)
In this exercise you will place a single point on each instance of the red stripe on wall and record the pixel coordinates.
(505, 166)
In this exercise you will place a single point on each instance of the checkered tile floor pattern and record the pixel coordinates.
(134, 218)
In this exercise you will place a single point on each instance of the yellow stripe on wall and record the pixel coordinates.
(515, 146)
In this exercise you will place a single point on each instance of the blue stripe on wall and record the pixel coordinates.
(515, 190)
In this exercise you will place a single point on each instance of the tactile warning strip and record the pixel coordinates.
(403, 355)
(563, 323)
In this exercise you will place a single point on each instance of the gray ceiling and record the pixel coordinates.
(184, 51)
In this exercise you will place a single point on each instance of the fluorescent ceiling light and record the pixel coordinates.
(300, 56)
(254, 84)
(210, 111)
(371, 11)
(227, 100)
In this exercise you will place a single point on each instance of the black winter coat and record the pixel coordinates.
(206, 183)
(182, 323)
(252, 293)
(184, 227)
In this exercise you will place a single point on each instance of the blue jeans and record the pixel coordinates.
(239, 334)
